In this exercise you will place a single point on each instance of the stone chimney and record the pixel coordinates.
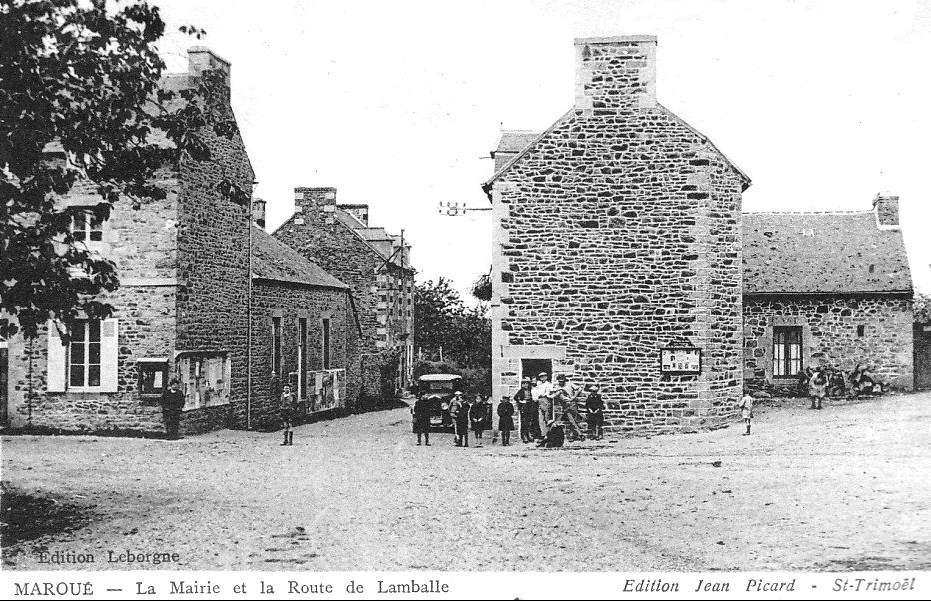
(886, 209)
(317, 204)
(358, 211)
(258, 213)
(200, 59)
(615, 73)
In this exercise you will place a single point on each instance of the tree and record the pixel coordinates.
(443, 320)
(82, 80)
(922, 308)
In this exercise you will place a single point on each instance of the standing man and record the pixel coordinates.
(566, 395)
(172, 402)
(542, 394)
(527, 411)
(455, 406)
(421, 413)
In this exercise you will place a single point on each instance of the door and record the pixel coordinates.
(922, 346)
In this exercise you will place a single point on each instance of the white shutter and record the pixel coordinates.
(109, 352)
(57, 364)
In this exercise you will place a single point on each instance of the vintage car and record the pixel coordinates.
(438, 390)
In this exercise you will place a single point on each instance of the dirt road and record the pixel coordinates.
(842, 489)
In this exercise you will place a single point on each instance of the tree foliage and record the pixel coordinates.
(80, 103)
(442, 319)
(922, 308)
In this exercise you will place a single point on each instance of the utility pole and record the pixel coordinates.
(455, 209)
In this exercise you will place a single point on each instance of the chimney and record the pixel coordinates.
(358, 211)
(615, 73)
(258, 213)
(886, 209)
(200, 59)
(317, 204)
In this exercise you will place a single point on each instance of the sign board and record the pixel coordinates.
(680, 360)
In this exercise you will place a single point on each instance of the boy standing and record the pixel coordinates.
(746, 410)
(594, 408)
(505, 419)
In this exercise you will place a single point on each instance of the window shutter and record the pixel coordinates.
(55, 378)
(109, 352)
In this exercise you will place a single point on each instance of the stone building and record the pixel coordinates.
(180, 309)
(830, 289)
(376, 266)
(305, 333)
(616, 251)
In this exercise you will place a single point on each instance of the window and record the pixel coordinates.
(153, 374)
(87, 360)
(302, 358)
(787, 351)
(276, 346)
(861, 330)
(84, 354)
(86, 228)
(325, 341)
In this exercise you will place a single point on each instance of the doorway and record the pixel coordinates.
(530, 369)
(922, 350)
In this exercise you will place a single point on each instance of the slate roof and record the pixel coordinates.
(839, 252)
(377, 239)
(274, 260)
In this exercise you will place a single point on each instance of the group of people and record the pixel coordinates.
(539, 409)
(538, 404)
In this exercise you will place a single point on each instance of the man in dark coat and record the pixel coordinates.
(505, 419)
(421, 412)
(172, 402)
(528, 411)
(462, 423)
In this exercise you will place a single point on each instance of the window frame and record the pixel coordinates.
(90, 225)
(87, 342)
(785, 338)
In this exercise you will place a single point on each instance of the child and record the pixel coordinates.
(286, 407)
(505, 419)
(746, 410)
(817, 388)
(477, 415)
(594, 407)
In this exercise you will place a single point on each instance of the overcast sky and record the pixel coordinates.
(396, 104)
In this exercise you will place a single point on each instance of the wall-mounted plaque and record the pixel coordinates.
(680, 360)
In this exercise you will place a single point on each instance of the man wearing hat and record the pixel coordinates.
(542, 394)
(566, 395)
(455, 406)
(527, 410)
(172, 403)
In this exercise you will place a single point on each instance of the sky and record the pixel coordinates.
(397, 104)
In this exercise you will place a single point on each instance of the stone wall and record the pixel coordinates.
(616, 235)
(831, 336)
(213, 272)
(291, 302)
